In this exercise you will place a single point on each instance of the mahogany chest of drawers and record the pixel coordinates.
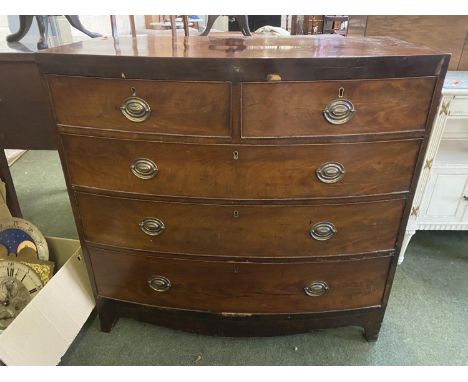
(243, 186)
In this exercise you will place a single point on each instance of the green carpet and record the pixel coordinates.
(426, 321)
(42, 193)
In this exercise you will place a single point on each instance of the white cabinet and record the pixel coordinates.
(459, 106)
(441, 197)
(444, 200)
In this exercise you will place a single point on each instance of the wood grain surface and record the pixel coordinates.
(296, 109)
(259, 172)
(237, 59)
(191, 108)
(439, 32)
(238, 288)
(258, 231)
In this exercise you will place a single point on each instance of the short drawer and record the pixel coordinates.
(230, 287)
(459, 106)
(327, 108)
(240, 230)
(241, 172)
(161, 107)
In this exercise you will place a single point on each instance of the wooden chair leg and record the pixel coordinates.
(132, 25)
(113, 21)
(186, 25)
(173, 28)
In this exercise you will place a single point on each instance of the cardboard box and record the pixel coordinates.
(45, 329)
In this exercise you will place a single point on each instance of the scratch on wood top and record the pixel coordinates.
(232, 314)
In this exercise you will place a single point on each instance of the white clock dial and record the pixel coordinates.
(18, 285)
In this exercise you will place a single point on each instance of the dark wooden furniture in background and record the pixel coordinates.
(308, 24)
(447, 33)
(25, 118)
(262, 192)
(335, 24)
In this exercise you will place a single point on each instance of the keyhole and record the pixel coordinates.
(236, 214)
(341, 92)
(235, 154)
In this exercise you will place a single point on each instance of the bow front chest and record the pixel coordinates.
(242, 186)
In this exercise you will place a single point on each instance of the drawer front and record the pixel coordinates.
(235, 230)
(459, 106)
(227, 287)
(297, 109)
(189, 108)
(241, 172)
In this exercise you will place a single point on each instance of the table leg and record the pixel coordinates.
(5, 175)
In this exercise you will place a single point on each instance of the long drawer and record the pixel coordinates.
(230, 287)
(163, 107)
(241, 172)
(296, 109)
(240, 230)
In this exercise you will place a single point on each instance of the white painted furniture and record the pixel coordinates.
(441, 198)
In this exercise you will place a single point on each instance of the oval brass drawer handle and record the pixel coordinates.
(159, 283)
(330, 172)
(134, 108)
(152, 226)
(316, 288)
(144, 168)
(340, 110)
(323, 231)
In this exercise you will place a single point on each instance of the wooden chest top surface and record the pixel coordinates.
(235, 58)
(216, 46)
